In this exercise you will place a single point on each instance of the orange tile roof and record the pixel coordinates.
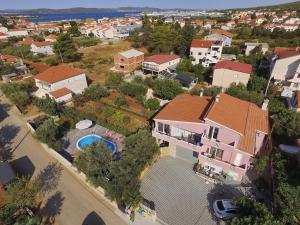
(60, 92)
(58, 73)
(26, 41)
(39, 67)
(235, 66)
(241, 116)
(222, 32)
(8, 58)
(196, 43)
(298, 99)
(51, 36)
(282, 52)
(160, 59)
(42, 43)
(185, 108)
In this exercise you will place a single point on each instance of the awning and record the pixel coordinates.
(83, 124)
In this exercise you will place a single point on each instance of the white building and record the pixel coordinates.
(156, 64)
(206, 52)
(60, 82)
(43, 47)
(17, 32)
(285, 68)
(251, 46)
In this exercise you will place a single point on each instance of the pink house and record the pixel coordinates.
(221, 133)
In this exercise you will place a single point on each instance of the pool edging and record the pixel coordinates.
(100, 137)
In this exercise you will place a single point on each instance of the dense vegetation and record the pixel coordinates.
(120, 178)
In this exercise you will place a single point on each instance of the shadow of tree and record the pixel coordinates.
(4, 108)
(49, 177)
(52, 208)
(93, 219)
(7, 134)
(221, 191)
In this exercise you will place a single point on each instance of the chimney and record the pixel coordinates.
(265, 105)
(217, 98)
(201, 92)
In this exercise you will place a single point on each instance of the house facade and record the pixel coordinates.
(251, 46)
(17, 32)
(221, 133)
(285, 69)
(60, 82)
(228, 72)
(220, 35)
(128, 61)
(43, 47)
(156, 64)
(206, 52)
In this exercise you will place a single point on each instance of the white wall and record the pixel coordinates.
(47, 50)
(210, 55)
(17, 33)
(224, 77)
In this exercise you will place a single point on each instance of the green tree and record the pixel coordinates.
(252, 212)
(257, 83)
(167, 89)
(241, 92)
(73, 30)
(47, 105)
(140, 150)
(114, 80)
(22, 193)
(133, 89)
(152, 104)
(261, 163)
(49, 133)
(94, 162)
(95, 92)
(65, 48)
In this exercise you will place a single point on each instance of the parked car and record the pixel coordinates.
(225, 209)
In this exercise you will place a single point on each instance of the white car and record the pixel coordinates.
(225, 209)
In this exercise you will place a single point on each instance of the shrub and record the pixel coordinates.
(108, 111)
(152, 104)
(53, 61)
(121, 101)
(167, 89)
(86, 42)
(47, 105)
(95, 92)
(133, 89)
(114, 80)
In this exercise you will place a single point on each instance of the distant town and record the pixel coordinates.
(148, 116)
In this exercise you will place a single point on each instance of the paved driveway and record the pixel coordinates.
(180, 196)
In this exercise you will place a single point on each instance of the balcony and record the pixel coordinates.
(150, 67)
(217, 143)
(227, 166)
(192, 142)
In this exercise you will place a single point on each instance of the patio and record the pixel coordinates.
(180, 196)
(69, 141)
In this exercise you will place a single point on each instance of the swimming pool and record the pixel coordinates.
(93, 138)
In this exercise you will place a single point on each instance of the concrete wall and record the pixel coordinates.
(76, 84)
(129, 64)
(47, 50)
(285, 67)
(224, 78)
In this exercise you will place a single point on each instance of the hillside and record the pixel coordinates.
(285, 6)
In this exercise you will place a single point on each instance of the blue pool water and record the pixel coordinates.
(90, 139)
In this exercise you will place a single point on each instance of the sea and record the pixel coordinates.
(75, 16)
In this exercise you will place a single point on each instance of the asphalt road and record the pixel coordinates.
(73, 202)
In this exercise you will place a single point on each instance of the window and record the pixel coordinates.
(200, 53)
(191, 53)
(216, 152)
(167, 129)
(122, 67)
(216, 132)
(219, 153)
(210, 132)
(160, 127)
(195, 154)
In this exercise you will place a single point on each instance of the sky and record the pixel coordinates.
(191, 4)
